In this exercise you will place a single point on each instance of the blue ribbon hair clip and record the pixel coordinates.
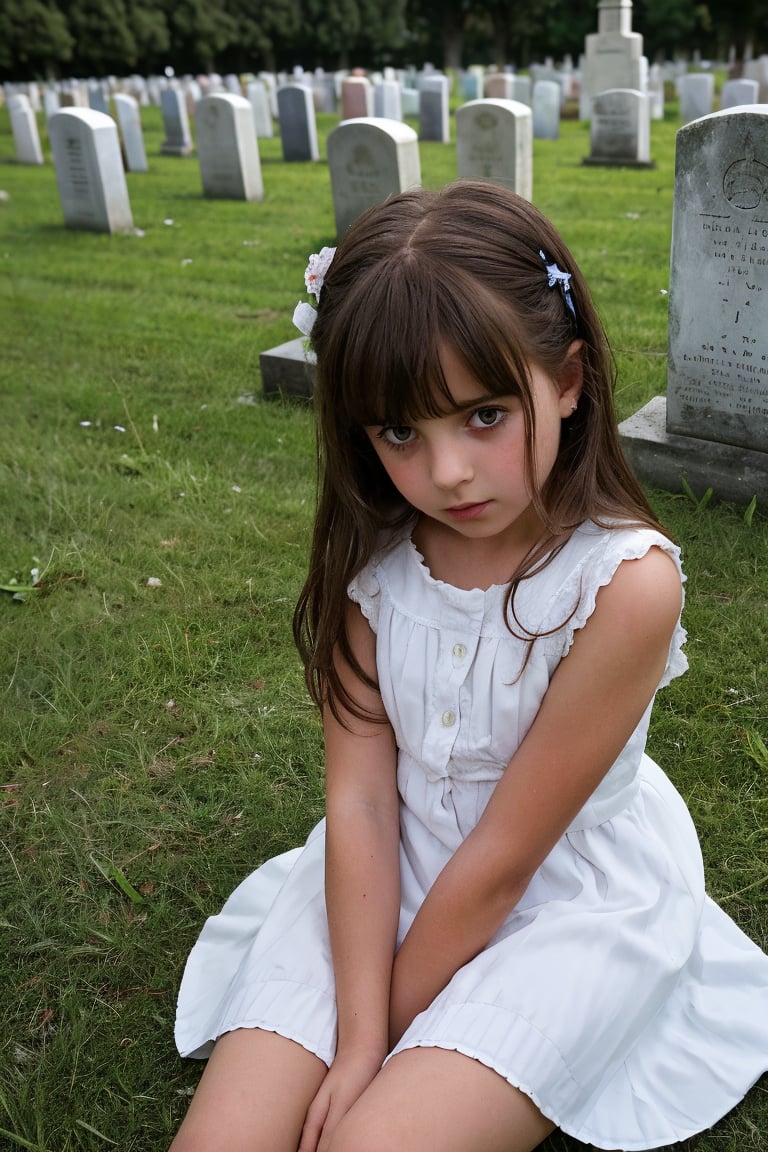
(557, 278)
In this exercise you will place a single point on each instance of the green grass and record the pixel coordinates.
(156, 742)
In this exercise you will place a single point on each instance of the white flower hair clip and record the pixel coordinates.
(314, 278)
(557, 278)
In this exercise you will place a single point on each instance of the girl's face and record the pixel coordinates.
(466, 469)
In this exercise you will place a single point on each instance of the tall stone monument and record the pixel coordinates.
(712, 429)
(613, 55)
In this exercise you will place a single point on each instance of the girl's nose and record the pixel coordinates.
(450, 466)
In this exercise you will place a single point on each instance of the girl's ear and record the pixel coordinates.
(570, 379)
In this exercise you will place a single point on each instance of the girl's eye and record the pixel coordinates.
(397, 435)
(486, 417)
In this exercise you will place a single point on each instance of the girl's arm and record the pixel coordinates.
(362, 889)
(595, 700)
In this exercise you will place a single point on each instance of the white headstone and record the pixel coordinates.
(178, 140)
(387, 104)
(434, 121)
(370, 159)
(26, 135)
(129, 121)
(713, 426)
(546, 110)
(697, 94)
(260, 106)
(620, 130)
(227, 148)
(50, 101)
(298, 127)
(738, 92)
(522, 90)
(494, 142)
(613, 54)
(656, 92)
(89, 171)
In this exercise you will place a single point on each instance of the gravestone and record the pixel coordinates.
(697, 93)
(409, 101)
(620, 130)
(178, 140)
(97, 99)
(370, 159)
(387, 104)
(26, 135)
(546, 110)
(656, 92)
(50, 102)
(260, 106)
(713, 426)
(127, 114)
(89, 171)
(227, 148)
(758, 70)
(499, 86)
(433, 109)
(522, 90)
(494, 142)
(288, 370)
(737, 92)
(613, 56)
(298, 127)
(356, 97)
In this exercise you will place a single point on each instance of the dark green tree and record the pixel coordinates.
(34, 39)
(261, 28)
(200, 32)
(104, 40)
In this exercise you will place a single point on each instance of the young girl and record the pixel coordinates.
(501, 927)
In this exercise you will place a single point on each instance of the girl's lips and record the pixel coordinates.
(467, 511)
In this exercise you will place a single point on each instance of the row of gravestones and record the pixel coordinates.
(712, 426)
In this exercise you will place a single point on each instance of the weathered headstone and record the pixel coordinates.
(370, 159)
(26, 135)
(433, 109)
(50, 101)
(713, 427)
(613, 55)
(522, 90)
(89, 171)
(546, 110)
(260, 106)
(620, 130)
(97, 99)
(697, 94)
(494, 142)
(227, 148)
(656, 92)
(128, 119)
(738, 92)
(298, 127)
(356, 97)
(758, 70)
(178, 139)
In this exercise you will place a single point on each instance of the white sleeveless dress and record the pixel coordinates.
(617, 995)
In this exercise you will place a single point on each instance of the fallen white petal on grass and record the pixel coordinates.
(663, 292)
(168, 223)
(186, 261)
(86, 423)
(154, 582)
(236, 488)
(118, 428)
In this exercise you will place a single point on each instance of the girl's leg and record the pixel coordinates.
(252, 1097)
(433, 1098)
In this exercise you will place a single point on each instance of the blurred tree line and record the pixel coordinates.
(50, 38)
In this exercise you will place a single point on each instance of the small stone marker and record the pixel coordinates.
(434, 121)
(387, 104)
(713, 426)
(356, 97)
(260, 106)
(178, 140)
(697, 94)
(522, 90)
(298, 127)
(370, 159)
(89, 171)
(494, 142)
(546, 110)
(128, 119)
(227, 148)
(499, 86)
(288, 370)
(620, 131)
(26, 135)
(738, 92)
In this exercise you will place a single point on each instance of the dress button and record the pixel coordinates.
(448, 718)
(459, 651)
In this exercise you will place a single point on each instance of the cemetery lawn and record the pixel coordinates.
(156, 742)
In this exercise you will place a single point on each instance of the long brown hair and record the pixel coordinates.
(465, 265)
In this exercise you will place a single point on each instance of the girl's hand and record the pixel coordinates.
(347, 1079)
